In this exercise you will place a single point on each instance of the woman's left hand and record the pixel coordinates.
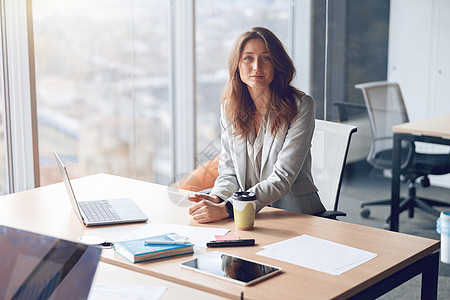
(205, 209)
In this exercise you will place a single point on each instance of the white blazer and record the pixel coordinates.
(285, 163)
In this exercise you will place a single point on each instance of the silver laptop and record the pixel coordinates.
(101, 212)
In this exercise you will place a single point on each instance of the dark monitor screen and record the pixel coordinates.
(36, 266)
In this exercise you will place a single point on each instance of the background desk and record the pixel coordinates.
(400, 257)
(435, 130)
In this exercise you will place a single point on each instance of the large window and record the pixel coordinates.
(109, 72)
(102, 73)
(218, 24)
(102, 87)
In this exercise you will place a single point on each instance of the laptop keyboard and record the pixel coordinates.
(98, 211)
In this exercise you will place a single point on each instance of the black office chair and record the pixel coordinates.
(386, 108)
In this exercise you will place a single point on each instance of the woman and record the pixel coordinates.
(267, 126)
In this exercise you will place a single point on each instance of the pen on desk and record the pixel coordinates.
(164, 242)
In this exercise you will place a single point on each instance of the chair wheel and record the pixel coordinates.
(425, 181)
(364, 212)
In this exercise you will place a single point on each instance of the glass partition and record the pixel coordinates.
(350, 46)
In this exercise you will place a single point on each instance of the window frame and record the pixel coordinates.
(182, 85)
(22, 157)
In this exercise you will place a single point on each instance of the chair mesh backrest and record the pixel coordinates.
(329, 153)
(386, 108)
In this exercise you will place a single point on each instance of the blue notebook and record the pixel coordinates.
(137, 250)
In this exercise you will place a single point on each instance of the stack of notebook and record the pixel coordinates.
(154, 247)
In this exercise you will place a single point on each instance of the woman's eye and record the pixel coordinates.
(266, 58)
(247, 58)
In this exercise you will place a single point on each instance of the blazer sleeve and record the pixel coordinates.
(291, 158)
(226, 183)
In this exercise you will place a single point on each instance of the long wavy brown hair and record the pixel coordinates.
(239, 106)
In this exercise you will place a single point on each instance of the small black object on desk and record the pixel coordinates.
(232, 243)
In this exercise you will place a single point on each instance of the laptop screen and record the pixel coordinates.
(35, 266)
(65, 176)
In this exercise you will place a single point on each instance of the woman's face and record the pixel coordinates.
(255, 65)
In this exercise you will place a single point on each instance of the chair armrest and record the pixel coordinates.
(331, 214)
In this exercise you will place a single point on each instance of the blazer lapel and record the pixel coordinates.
(267, 146)
(240, 152)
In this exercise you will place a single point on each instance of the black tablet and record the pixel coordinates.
(231, 268)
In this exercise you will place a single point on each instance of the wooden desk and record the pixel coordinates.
(400, 257)
(110, 274)
(434, 130)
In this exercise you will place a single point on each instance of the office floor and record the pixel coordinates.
(362, 183)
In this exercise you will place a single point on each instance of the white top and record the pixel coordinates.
(254, 154)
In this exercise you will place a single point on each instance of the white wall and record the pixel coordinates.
(419, 60)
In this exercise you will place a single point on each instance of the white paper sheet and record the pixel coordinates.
(317, 254)
(199, 236)
(115, 291)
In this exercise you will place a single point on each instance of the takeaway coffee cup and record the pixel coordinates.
(244, 209)
(443, 227)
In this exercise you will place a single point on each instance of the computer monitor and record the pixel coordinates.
(37, 266)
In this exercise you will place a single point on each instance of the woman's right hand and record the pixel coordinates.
(197, 197)
(207, 208)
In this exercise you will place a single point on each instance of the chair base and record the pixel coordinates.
(365, 212)
(408, 204)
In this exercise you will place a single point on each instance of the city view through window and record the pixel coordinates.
(102, 72)
(102, 87)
